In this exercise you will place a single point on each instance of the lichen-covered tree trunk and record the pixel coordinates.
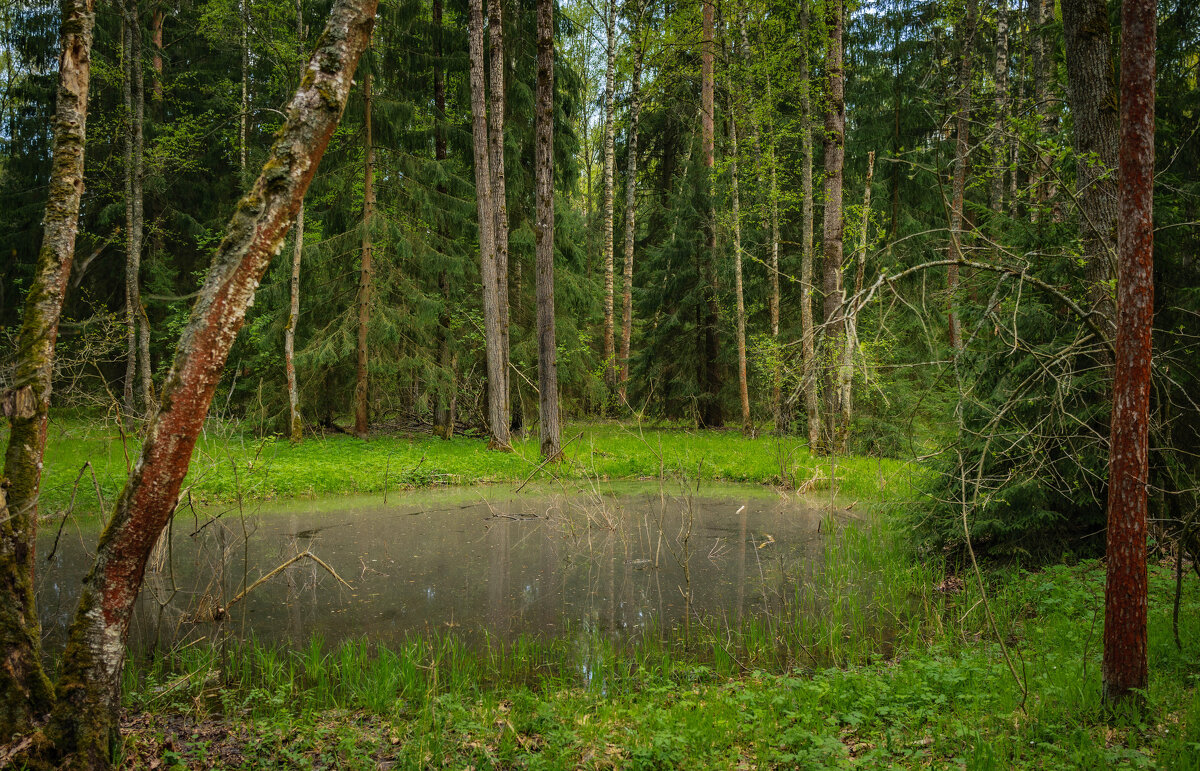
(499, 189)
(845, 377)
(835, 152)
(492, 331)
(1092, 91)
(295, 423)
(962, 136)
(365, 275)
(631, 165)
(88, 689)
(999, 145)
(807, 335)
(739, 295)
(543, 161)
(1124, 668)
(25, 693)
(610, 28)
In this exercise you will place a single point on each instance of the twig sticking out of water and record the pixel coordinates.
(219, 613)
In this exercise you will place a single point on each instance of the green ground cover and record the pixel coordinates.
(228, 463)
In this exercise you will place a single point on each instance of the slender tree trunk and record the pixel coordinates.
(1092, 91)
(139, 217)
(610, 28)
(295, 423)
(493, 331)
(635, 108)
(84, 724)
(366, 274)
(543, 159)
(835, 151)
(999, 145)
(743, 384)
(807, 336)
(132, 237)
(1043, 188)
(443, 412)
(962, 130)
(499, 192)
(1124, 668)
(157, 22)
(25, 693)
(846, 368)
(244, 120)
(712, 414)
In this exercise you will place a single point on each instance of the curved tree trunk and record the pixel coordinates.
(493, 331)
(88, 690)
(543, 160)
(25, 693)
(1124, 668)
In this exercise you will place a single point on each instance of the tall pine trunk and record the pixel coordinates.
(711, 412)
(962, 132)
(493, 330)
(807, 333)
(499, 191)
(25, 693)
(543, 160)
(631, 165)
(84, 722)
(1092, 91)
(1124, 667)
(835, 152)
(999, 145)
(743, 384)
(444, 407)
(610, 28)
(365, 275)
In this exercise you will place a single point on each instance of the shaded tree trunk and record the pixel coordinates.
(711, 414)
(551, 433)
(499, 191)
(25, 692)
(807, 335)
(835, 151)
(295, 423)
(999, 145)
(244, 118)
(444, 407)
(743, 384)
(610, 28)
(635, 108)
(1092, 91)
(1124, 668)
(846, 368)
(365, 274)
(962, 138)
(493, 331)
(84, 724)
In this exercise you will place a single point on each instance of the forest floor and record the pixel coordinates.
(921, 671)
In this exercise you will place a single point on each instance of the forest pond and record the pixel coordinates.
(624, 561)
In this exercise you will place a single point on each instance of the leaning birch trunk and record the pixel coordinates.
(1092, 94)
(808, 351)
(609, 172)
(25, 693)
(499, 191)
(835, 151)
(543, 161)
(635, 108)
(962, 131)
(743, 385)
(846, 368)
(492, 330)
(365, 275)
(88, 690)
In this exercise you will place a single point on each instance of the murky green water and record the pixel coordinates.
(631, 560)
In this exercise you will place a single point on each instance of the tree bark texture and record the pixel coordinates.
(808, 351)
(543, 159)
(711, 413)
(1092, 91)
(631, 165)
(365, 274)
(999, 145)
(743, 383)
(499, 189)
(1124, 667)
(88, 689)
(610, 28)
(444, 407)
(244, 118)
(835, 151)
(493, 331)
(137, 350)
(295, 423)
(846, 366)
(25, 693)
(962, 138)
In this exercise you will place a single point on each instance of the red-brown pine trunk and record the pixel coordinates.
(365, 274)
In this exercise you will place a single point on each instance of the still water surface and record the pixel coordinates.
(625, 561)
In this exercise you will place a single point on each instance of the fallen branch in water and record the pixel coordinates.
(219, 613)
